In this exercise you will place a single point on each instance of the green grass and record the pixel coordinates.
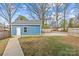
(46, 46)
(3, 43)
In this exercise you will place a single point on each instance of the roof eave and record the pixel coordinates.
(25, 24)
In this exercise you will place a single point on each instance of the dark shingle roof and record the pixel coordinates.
(21, 20)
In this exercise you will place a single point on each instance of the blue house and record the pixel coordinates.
(22, 26)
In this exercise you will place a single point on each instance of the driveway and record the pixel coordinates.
(55, 34)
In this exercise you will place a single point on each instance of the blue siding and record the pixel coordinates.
(31, 29)
(13, 30)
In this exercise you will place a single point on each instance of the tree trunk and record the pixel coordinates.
(42, 23)
(10, 27)
(57, 17)
(43, 19)
(9, 13)
(57, 21)
(64, 28)
(64, 22)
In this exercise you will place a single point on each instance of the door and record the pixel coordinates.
(18, 30)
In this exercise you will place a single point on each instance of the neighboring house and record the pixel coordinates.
(22, 26)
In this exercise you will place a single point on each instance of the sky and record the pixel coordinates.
(26, 14)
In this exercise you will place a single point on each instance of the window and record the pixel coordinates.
(25, 29)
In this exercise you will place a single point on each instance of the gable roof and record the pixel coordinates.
(21, 20)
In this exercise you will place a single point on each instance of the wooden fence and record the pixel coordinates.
(4, 34)
(73, 31)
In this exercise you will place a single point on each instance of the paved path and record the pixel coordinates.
(13, 48)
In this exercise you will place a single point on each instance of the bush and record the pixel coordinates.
(71, 23)
(45, 26)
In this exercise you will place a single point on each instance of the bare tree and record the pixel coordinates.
(7, 11)
(76, 11)
(65, 7)
(57, 8)
(38, 11)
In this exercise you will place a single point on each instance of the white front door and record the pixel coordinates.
(18, 31)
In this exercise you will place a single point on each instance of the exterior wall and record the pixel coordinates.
(31, 29)
(13, 30)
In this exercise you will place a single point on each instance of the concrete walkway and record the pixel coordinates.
(13, 48)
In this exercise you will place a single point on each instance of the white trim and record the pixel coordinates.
(26, 35)
(40, 28)
(25, 24)
(26, 27)
(18, 31)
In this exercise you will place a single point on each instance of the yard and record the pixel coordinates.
(50, 45)
(3, 43)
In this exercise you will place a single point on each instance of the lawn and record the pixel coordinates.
(49, 46)
(3, 43)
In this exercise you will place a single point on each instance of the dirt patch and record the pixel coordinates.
(74, 41)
